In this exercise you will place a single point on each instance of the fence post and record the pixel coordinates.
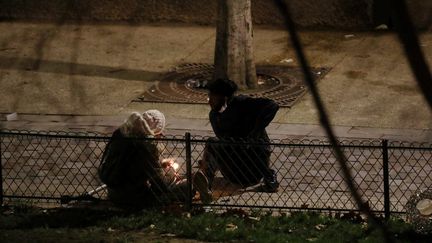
(188, 171)
(386, 179)
(1, 171)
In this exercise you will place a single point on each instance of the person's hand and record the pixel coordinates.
(169, 167)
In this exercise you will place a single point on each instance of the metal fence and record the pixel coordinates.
(41, 168)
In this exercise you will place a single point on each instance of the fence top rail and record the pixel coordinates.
(298, 143)
(56, 134)
(77, 135)
(409, 145)
(345, 143)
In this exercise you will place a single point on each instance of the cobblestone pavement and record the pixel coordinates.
(179, 126)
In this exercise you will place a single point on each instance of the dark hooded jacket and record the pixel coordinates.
(244, 119)
(131, 169)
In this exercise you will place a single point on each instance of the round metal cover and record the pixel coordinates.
(186, 84)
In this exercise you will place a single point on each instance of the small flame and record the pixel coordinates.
(175, 166)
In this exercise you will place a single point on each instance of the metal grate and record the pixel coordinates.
(283, 84)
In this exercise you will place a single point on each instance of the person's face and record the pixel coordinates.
(216, 101)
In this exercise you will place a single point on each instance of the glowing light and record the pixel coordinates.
(175, 165)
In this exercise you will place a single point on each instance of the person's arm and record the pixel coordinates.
(214, 123)
(262, 112)
(161, 175)
(151, 167)
(112, 161)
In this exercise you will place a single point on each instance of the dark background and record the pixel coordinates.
(332, 14)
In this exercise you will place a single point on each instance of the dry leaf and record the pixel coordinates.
(287, 60)
(319, 226)
(231, 227)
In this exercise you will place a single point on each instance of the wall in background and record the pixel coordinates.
(335, 14)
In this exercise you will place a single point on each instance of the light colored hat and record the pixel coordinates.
(425, 207)
(134, 125)
(155, 121)
(151, 122)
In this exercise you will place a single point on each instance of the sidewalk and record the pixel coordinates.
(92, 73)
(179, 126)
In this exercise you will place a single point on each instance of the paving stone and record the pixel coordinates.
(13, 125)
(43, 118)
(295, 129)
(339, 131)
(187, 124)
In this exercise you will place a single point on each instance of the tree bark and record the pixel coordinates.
(233, 57)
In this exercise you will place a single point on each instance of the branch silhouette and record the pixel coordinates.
(325, 121)
(408, 37)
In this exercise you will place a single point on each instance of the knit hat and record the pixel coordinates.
(134, 125)
(225, 87)
(151, 122)
(155, 121)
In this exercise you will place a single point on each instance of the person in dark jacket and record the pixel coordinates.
(132, 168)
(237, 119)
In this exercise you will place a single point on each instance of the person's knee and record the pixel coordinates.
(212, 139)
(211, 143)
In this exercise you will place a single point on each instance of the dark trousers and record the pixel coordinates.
(242, 164)
(142, 197)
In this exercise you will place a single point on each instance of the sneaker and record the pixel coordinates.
(201, 184)
(271, 183)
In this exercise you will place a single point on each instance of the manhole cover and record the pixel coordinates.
(283, 84)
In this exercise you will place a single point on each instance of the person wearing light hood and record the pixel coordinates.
(131, 166)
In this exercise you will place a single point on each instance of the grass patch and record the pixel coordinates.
(84, 225)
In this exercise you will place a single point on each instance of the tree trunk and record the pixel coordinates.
(234, 51)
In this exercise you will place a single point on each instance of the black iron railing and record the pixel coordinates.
(43, 168)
